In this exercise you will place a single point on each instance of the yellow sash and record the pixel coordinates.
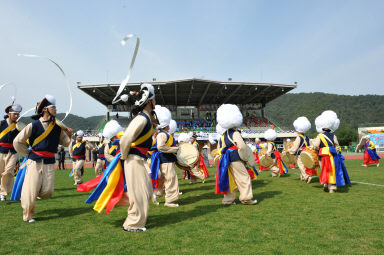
(77, 145)
(44, 134)
(112, 148)
(170, 141)
(305, 142)
(232, 183)
(273, 145)
(7, 130)
(371, 145)
(325, 150)
(142, 139)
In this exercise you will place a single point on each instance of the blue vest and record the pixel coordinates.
(8, 138)
(167, 157)
(234, 154)
(302, 144)
(330, 136)
(49, 144)
(147, 143)
(79, 151)
(100, 151)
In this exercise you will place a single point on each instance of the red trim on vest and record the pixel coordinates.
(78, 156)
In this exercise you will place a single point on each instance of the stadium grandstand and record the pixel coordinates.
(194, 102)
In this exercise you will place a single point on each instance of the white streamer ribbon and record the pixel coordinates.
(22, 115)
(125, 81)
(3, 85)
(65, 78)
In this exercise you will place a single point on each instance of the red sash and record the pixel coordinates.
(45, 154)
(279, 161)
(367, 159)
(203, 167)
(100, 155)
(7, 145)
(142, 150)
(79, 157)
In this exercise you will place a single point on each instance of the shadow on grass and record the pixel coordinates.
(340, 189)
(157, 221)
(61, 213)
(64, 189)
(72, 195)
(266, 195)
(194, 199)
(194, 187)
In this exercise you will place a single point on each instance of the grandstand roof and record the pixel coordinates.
(194, 92)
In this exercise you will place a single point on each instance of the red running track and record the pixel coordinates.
(359, 156)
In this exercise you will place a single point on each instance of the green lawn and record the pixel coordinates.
(291, 217)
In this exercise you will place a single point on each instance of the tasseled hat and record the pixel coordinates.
(302, 124)
(111, 129)
(270, 134)
(229, 116)
(327, 120)
(183, 137)
(163, 115)
(172, 126)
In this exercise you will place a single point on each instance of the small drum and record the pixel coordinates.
(265, 160)
(250, 156)
(288, 158)
(182, 167)
(309, 158)
(187, 155)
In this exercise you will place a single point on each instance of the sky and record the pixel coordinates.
(325, 46)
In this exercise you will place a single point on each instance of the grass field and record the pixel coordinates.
(291, 217)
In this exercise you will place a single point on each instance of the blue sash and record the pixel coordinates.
(19, 181)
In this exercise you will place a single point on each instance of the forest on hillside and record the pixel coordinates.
(353, 111)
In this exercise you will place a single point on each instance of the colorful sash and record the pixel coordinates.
(110, 186)
(371, 151)
(333, 170)
(203, 167)
(155, 162)
(19, 181)
(224, 179)
(282, 168)
(72, 173)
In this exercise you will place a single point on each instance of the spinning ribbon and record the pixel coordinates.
(125, 81)
(64, 75)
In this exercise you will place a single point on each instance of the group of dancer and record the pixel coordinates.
(130, 178)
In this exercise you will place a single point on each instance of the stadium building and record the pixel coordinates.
(194, 102)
